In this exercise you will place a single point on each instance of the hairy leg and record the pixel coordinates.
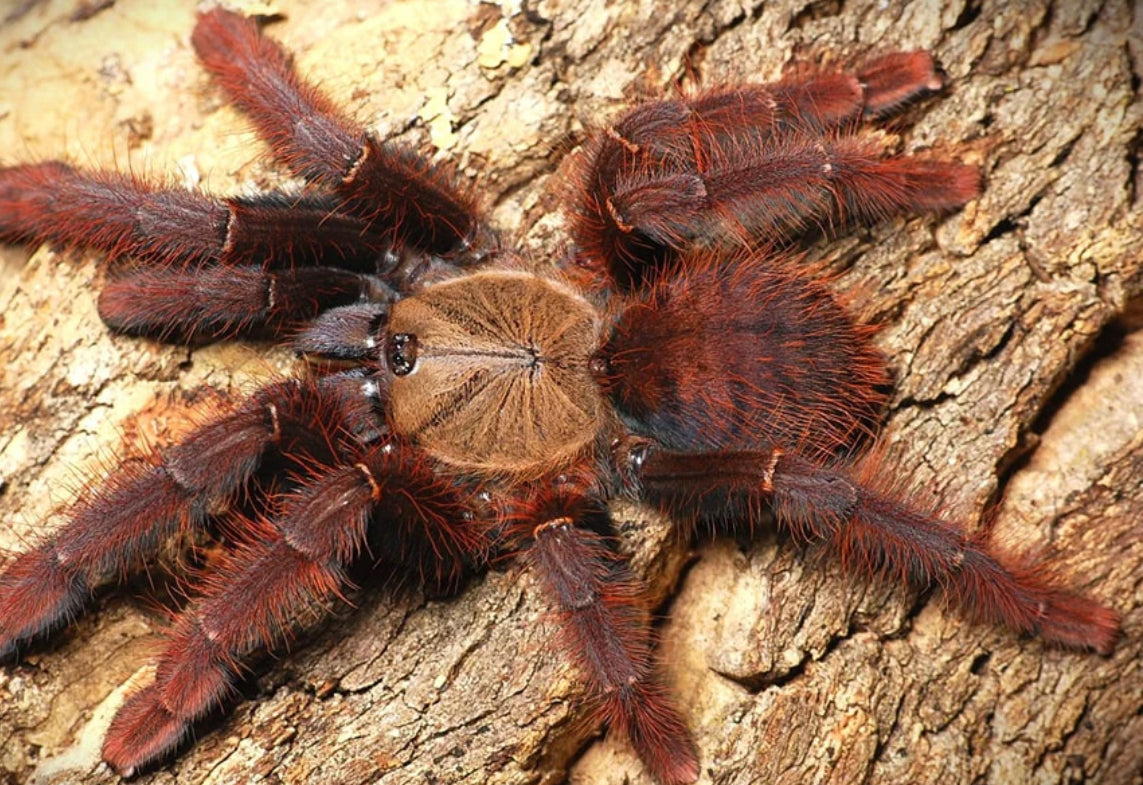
(754, 165)
(397, 192)
(190, 268)
(605, 628)
(290, 565)
(876, 534)
(112, 529)
(211, 303)
(125, 217)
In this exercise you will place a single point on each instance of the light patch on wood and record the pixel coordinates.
(501, 381)
(84, 755)
(440, 118)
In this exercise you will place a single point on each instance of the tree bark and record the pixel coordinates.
(1012, 329)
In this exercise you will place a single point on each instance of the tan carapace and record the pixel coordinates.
(495, 373)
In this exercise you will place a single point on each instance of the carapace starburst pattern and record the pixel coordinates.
(461, 405)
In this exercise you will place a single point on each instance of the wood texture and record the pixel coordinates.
(1012, 328)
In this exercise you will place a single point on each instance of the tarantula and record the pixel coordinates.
(464, 405)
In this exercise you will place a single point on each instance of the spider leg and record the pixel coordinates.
(689, 127)
(346, 334)
(818, 102)
(213, 268)
(291, 565)
(875, 532)
(606, 628)
(272, 583)
(758, 193)
(115, 527)
(891, 81)
(396, 191)
(203, 268)
(124, 216)
(757, 164)
(210, 303)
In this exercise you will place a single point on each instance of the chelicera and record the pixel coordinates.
(463, 404)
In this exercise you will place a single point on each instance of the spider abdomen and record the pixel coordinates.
(745, 356)
(491, 372)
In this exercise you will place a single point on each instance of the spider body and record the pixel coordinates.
(490, 409)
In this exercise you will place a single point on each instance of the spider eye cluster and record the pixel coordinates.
(401, 353)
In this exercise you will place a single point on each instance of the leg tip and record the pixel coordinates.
(143, 731)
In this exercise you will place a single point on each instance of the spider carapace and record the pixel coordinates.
(492, 372)
(463, 404)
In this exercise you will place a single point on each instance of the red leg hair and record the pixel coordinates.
(891, 81)
(209, 303)
(759, 194)
(399, 193)
(751, 165)
(116, 214)
(876, 534)
(687, 129)
(113, 529)
(431, 527)
(818, 102)
(250, 602)
(606, 629)
(204, 269)
(288, 566)
(123, 216)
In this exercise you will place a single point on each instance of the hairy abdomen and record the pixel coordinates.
(745, 357)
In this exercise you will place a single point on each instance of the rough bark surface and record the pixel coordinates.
(1009, 326)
